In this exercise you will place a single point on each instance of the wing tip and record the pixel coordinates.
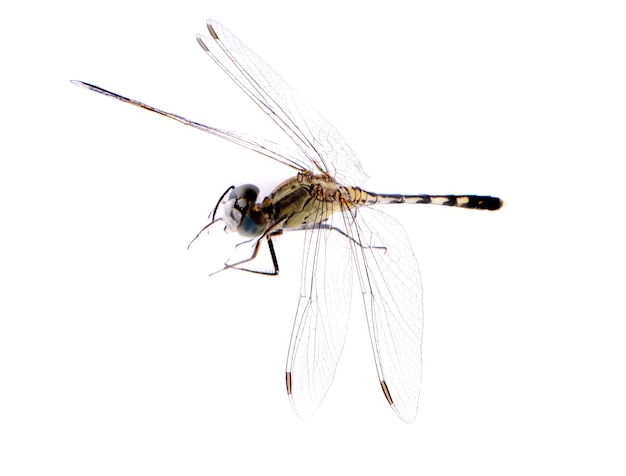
(82, 84)
(405, 416)
(200, 39)
(209, 25)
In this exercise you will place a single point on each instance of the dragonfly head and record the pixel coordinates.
(242, 213)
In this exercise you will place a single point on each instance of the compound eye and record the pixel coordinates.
(244, 197)
(241, 214)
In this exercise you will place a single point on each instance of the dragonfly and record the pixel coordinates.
(346, 237)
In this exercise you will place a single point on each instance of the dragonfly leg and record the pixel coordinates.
(325, 226)
(254, 254)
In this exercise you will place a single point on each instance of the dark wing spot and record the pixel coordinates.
(213, 33)
(386, 392)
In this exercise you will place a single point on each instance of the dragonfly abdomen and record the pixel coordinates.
(478, 202)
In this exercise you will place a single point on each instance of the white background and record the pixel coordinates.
(118, 355)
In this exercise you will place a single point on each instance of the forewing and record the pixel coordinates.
(325, 149)
(279, 152)
(321, 318)
(392, 293)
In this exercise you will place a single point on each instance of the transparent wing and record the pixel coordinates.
(392, 294)
(278, 152)
(321, 320)
(317, 139)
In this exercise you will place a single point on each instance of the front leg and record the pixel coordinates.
(252, 257)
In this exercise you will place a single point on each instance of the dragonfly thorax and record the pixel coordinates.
(242, 213)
